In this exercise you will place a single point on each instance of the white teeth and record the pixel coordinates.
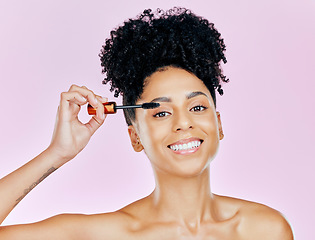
(185, 146)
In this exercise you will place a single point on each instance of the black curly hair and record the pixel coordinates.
(154, 40)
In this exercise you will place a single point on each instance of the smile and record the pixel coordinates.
(186, 146)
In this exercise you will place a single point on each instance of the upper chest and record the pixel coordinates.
(221, 231)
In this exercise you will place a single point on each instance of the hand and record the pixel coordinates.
(70, 135)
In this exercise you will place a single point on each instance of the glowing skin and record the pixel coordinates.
(186, 117)
(180, 138)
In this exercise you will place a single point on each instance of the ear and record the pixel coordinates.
(220, 126)
(134, 138)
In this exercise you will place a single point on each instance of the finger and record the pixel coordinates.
(87, 93)
(97, 120)
(100, 108)
(70, 104)
(95, 100)
(102, 99)
(67, 98)
(100, 111)
(94, 123)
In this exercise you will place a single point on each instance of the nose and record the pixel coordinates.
(182, 122)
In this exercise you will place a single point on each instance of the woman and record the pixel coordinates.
(171, 58)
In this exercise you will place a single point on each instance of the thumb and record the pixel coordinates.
(95, 122)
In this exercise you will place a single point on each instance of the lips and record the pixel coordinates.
(186, 146)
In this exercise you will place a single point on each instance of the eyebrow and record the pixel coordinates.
(195, 94)
(188, 96)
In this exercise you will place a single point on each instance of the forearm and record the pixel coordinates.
(69, 138)
(15, 186)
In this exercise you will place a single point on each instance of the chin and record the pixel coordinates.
(192, 169)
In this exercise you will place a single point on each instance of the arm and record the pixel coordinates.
(57, 227)
(69, 138)
(72, 226)
(15, 186)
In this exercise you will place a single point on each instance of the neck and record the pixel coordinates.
(185, 199)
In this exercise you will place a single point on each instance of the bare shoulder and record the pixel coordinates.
(258, 221)
(114, 225)
(120, 224)
(265, 222)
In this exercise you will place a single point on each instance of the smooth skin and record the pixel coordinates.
(181, 206)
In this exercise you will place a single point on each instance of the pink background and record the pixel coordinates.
(267, 110)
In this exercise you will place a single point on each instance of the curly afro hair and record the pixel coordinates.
(154, 40)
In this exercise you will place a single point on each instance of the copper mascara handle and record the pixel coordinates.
(109, 107)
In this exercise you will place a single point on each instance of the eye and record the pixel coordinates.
(198, 108)
(161, 114)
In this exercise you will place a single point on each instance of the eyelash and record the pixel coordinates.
(200, 107)
(157, 115)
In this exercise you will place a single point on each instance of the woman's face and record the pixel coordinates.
(182, 135)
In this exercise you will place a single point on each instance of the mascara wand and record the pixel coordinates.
(111, 107)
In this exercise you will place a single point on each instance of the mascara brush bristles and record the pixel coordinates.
(150, 105)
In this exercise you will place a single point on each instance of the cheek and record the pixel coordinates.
(209, 124)
(153, 138)
(156, 134)
(211, 128)
(150, 134)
